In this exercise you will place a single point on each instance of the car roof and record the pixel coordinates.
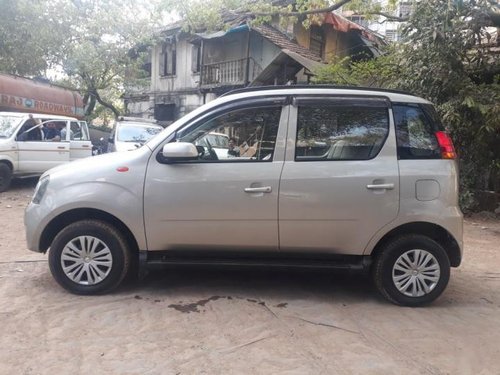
(143, 124)
(38, 115)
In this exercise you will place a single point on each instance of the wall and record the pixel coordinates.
(232, 46)
(336, 44)
(139, 108)
(262, 50)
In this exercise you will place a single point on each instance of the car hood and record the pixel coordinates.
(126, 146)
(101, 165)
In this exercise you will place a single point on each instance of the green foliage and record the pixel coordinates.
(211, 15)
(443, 58)
(30, 36)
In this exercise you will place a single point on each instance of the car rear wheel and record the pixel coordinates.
(412, 270)
(5, 177)
(89, 257)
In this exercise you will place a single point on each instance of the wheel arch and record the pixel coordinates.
(8, 163)
(74, 215)
(433, 231)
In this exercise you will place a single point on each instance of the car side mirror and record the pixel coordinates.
(111, 140)
(179, 151)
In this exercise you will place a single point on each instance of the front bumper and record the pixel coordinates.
(33, 226)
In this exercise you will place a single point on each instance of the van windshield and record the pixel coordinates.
(8, 125)
(136, 133)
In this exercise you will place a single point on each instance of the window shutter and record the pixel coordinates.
(174, 62)
(195, 58)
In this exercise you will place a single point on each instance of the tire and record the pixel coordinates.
(100, 268)
(397, 271)
(5, 177)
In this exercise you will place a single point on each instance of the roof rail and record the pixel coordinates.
(281, 87)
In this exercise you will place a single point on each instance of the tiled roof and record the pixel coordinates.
(284, 42)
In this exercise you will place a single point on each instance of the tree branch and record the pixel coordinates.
(110, 106)
(283, 13)
(390, 17)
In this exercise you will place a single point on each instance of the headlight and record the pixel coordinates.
(40, 189)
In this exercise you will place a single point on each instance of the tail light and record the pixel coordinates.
(446, 145)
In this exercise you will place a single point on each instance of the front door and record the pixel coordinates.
(38, 154)
(340, 181)
(227, 199)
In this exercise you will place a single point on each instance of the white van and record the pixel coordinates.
(25, 149)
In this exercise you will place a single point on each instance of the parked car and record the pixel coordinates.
(129, 134)
(25, 150)
(217, 141)
(357, 179)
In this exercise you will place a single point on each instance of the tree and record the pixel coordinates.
(93, 42)
(30, 37)
(104, 53)
(212, 14)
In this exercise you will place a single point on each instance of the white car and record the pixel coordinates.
(219, 142)
(129, 135)
(26, 151)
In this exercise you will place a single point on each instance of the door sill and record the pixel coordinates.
(160, 259)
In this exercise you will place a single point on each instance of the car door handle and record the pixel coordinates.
(263, 189)
(380, 186)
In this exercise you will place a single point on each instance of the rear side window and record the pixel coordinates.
(340, 132)
(415, 132)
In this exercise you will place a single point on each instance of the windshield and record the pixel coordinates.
(136, 133)
(8, 125)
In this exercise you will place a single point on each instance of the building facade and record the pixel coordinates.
(188, 70)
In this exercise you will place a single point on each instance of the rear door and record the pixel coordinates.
(79, 140)
(340, 181)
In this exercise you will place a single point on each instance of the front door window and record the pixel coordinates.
(247, 135)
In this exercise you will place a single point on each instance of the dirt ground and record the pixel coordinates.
(212, 321)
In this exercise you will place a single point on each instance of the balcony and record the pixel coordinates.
(229, 73)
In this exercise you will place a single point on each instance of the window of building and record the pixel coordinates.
(391, 35)
(317, 41)
(168, 59)
(196, 58)
(165, 112)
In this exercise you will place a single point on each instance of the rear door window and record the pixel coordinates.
(340, 130)
(415, 132)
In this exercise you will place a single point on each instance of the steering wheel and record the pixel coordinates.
(211, 152)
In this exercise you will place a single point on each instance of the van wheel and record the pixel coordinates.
(411, 270)
(5, 177)
(89, 257)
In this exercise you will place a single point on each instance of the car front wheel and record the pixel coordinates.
(5, 177)
(412, 270)
(89, 257)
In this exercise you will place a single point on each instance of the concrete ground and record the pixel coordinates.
(212, 321)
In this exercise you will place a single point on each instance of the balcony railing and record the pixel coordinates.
(229, 73)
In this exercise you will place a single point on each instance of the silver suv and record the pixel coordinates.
(312, 177)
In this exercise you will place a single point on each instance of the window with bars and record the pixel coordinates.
(168, 59)
(317, 41)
